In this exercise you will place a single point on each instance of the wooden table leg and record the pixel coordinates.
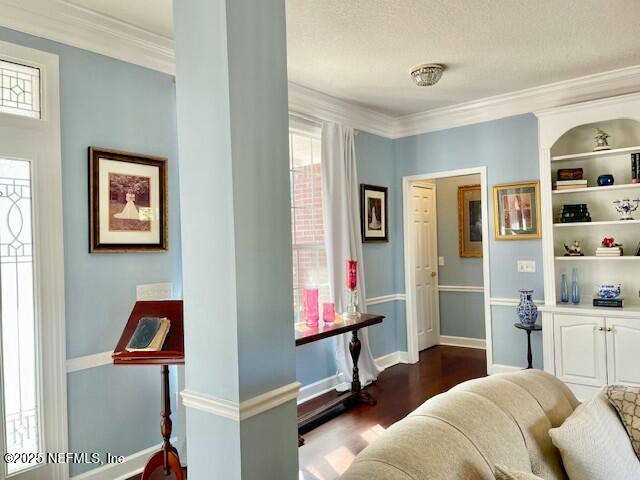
(167, 458)
(529, 354)
(356, 388)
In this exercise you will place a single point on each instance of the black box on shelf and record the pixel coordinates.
(608, 302)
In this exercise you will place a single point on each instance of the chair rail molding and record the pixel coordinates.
(89, 361)
(461, 288)
(400, 297)
(81, 27)
(243, 410)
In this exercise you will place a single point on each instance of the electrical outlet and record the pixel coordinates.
(526, 266)
(154, 291)
(441, 261)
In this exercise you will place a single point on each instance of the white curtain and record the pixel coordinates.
(341, 212)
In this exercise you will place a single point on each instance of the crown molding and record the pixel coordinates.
(320, 106)
(71, 24)
(590, 87)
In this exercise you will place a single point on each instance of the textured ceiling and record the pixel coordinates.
(361, 50)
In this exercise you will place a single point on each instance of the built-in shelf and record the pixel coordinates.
(623, 186)
(597, 224)
(587, 258)
(632, 310)
(601, 153)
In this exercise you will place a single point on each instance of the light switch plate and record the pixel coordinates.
(526, 266)
(441, 261)
(154, 291)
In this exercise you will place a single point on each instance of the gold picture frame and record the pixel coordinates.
(516, 211)
(469, 221)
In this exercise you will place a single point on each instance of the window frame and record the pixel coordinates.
(314, 132)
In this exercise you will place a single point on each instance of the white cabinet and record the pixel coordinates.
(592, 351)
(580, 349)
(623, 350)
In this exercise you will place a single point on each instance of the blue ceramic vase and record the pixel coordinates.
(526, 309)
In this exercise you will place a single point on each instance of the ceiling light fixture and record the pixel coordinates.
(426, 74)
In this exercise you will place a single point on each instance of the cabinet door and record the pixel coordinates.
(623, 351)
(580, 349)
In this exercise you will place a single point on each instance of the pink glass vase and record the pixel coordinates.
(352, 274)
(310, 301)
(328, 313)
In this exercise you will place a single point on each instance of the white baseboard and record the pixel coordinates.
(463, 342)
(325, 385)
(132, 465)
(498, 368)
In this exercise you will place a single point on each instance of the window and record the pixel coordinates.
(20, 89)
(309, 256)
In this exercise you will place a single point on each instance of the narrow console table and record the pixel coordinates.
(528, 329)
(305, 334)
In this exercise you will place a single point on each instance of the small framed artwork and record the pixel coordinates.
(469, 221)
(127, 202)
(374, 213)
(516, 209)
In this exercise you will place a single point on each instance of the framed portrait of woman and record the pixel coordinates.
(127, 202)
(374, 211)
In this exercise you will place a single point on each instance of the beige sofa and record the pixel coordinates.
(463, 433)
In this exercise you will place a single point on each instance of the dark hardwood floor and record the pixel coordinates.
(331, 447)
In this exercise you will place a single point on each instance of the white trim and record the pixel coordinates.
(71, 24)
(89, 361)
(40, 144)
(210, 404)
(327, 384)
(498, 368)
(463, 342)
(461, 288)
(412, 348)
(243, 410)
(131, 465)
(400, 297)
(320, 106)
(504, 302)
(84, 28)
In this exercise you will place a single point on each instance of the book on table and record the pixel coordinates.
(149, 335)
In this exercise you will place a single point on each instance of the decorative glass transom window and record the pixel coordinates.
(20, 89)
(309, 256)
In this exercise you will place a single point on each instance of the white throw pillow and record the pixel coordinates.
(594, 444)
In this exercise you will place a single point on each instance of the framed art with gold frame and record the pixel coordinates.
(127, 202)
(469, 221)
(516, 211)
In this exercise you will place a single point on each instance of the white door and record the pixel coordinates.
(623, 354)
(425, 258)
(580, 349)
(32, 328)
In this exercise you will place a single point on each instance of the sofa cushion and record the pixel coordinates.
(505, 473)
(626, 401)
(530, 418)
(594, 445)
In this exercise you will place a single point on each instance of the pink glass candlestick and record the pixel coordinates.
(352, 274)
(328, 312)
(310, 301)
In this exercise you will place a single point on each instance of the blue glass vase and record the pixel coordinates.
(575, 288)
(564, 289)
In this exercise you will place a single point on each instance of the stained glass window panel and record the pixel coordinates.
(19, 358)
(19, 89)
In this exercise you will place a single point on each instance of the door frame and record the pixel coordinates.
(49, 255)
(412, 322)
(411, 271)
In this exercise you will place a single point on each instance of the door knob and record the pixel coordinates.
(600, 329)
(433, 274)
(609, 329)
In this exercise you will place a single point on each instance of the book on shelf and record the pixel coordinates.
(609, 252)
(149, 335)
(571, 182)
(608, 302)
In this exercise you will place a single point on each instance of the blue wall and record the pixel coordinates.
(111, 104)
(509, 149)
